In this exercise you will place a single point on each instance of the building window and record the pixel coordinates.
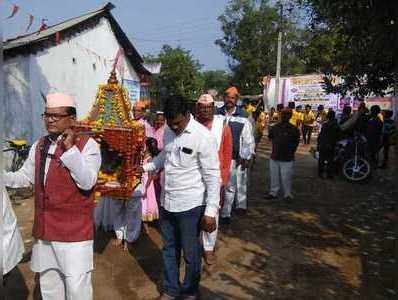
(94, 67)
(74, 61)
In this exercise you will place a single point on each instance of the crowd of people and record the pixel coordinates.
(375, 125)
(194, 177)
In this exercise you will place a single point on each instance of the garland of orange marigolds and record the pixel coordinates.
(121, 138)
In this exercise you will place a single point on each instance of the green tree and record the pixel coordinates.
(216, 79)
(180, 73)
(356, 40)
(250, 41)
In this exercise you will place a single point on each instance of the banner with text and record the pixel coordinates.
(133, 87)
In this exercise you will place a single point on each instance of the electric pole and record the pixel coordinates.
(1, 147)
(279, 56)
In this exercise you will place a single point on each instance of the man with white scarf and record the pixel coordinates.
(63, 168)
(242, 152)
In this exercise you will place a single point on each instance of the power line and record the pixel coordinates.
(178, 24)
(167, 40)
(182, 31)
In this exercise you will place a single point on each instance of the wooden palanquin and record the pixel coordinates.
(122, 141)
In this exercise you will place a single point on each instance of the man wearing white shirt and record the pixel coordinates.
(63, 169)
(190, 196)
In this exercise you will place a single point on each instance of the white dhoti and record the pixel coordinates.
(56, 286)
(235, 190)
(128, 216)
(281, 175)
(12, 243)
(65, 269)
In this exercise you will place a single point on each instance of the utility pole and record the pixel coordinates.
(1, 148)
(395, 103)
(279, 56)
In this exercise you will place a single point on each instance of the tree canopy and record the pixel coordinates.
(216, 79)
(250, 41)
(180, 73)
(357, 40)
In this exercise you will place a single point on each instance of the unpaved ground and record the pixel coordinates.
(333, 242)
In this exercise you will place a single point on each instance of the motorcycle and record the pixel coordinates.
(351, 157)
(20, 152)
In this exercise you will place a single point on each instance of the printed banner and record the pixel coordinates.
(385, 103)
(133, 87)
(308, 89)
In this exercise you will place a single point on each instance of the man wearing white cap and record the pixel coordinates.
(220, 130)
(63, 169)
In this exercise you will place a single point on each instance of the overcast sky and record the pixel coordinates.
(149, 23)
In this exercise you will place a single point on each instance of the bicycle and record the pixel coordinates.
(20, 149)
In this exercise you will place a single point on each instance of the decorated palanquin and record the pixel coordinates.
(121, 138)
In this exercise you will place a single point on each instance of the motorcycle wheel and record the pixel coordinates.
(356, 171)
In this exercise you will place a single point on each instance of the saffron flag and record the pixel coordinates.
(15, 9)
(31, 18)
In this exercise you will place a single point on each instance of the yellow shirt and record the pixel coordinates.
(250, 108)
(260, 123)
(296, 118)
(309, 119)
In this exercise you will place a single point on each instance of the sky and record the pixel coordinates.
(191, 24)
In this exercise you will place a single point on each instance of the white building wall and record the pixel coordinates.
(68, 68)
(18, 102)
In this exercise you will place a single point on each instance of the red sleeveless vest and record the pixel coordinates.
(63, 212)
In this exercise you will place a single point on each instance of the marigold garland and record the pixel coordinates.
(110, 118)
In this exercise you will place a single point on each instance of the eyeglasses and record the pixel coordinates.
(54, 117)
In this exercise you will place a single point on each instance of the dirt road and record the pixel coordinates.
(333, 242)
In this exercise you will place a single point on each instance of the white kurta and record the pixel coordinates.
(71, 258)
(217, 129)
(13, 247)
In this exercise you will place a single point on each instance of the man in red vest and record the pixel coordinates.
(63, 168)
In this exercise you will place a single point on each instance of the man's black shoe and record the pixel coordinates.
(288, 199)
(225, 220)
(270, 197)
(241, 211)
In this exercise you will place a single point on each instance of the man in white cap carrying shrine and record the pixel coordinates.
(63, 168)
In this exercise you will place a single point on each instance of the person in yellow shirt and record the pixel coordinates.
(308, 124)
(321, 115)
(295, 119)
(300, 115)
(259, 125)
(250, 108)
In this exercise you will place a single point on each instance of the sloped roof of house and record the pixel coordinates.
(40, 40)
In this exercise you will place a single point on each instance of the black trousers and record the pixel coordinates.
(325, 162)
(386, 153)
(307, 132)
